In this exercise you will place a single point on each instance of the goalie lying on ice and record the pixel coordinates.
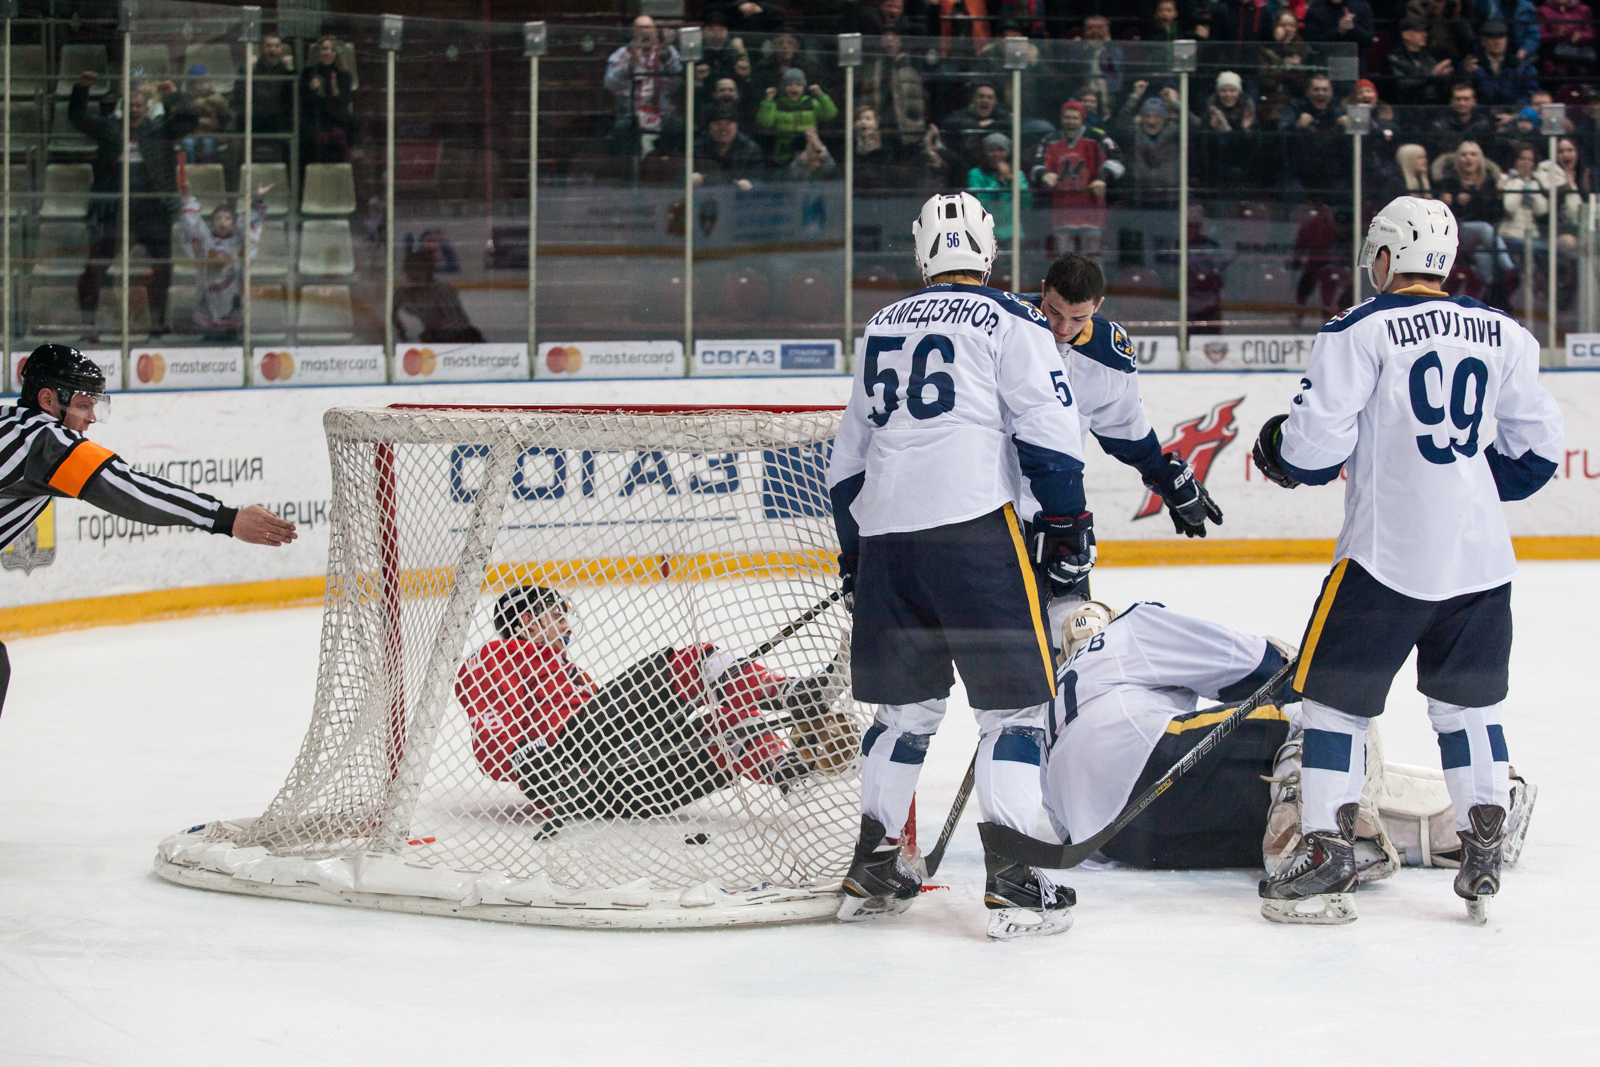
(676, 726)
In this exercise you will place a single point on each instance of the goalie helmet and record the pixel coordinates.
(1082, 623)
(1421, 236)
(953, 232)
(515, 603)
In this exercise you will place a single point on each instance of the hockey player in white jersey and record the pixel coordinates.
(1432, 406)
(955, 385)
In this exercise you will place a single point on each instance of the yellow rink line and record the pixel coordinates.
(36, 619)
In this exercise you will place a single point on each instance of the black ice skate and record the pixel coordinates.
(1019, 905)
(1314, 885)
(1479, 876)
(881, 881)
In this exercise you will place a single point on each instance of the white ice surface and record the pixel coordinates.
(114, 738)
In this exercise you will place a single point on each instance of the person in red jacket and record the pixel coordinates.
(674, 727)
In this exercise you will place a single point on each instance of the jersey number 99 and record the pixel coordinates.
(1470, 374)
(917, 404)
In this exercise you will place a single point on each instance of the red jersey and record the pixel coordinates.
(515, 691)
(1077, 164)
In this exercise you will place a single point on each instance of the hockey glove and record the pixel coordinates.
(847, 580)
(1064, 553)
(1265, 453)
(1185, 496)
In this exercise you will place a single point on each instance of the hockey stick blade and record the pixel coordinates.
(936, 857)
(1018, 847)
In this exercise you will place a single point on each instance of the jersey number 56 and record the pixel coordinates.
(943, 385)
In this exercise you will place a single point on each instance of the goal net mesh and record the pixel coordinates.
(610, 724)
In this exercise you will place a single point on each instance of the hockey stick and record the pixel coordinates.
(777, 638)
(934, 858)
(1020, 848)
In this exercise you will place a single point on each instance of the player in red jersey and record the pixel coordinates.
(676, 726)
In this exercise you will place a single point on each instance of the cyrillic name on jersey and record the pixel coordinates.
(1442, 322)
(977, 312)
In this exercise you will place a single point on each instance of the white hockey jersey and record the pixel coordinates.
(1120, 693)
(1433, 406)
(947, 380)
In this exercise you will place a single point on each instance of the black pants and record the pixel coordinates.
(5, 675)
(636, 749)
(150, 225)
(1214, 816)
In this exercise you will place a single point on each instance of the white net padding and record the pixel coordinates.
(649, 771)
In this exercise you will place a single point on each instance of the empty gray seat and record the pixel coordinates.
(329, 189)
(326, 248)
(63, 248)
(77, 58)
(275, 175)
(28, 76)
(324, 313)
(152, 61)
(66, 190)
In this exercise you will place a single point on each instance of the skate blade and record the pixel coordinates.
(864, 909)
(1009, 924)
(1478, 911)
(1324, 909)
(1517, 831)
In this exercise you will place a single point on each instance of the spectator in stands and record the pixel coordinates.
(1523, 128)
(1314, 257)
(813, 162)
(1449, 28)
(1074, 165)
(785, 57)
(327, 121)
(1523, 17)
(1314, 112)
(990, 181)
(642, 75)
(1584, 123)
(1152, 155)
(272, 110)
(213, 117)
(1527, 205)
(1104, 59)
(1567, 183)
(218, 247)
(1283, 71)
(723, 155)
(1412, 159)
(787, 114)
(1464, 121)
(1470, 184)
(883, 16)
(890, 84)
(1566, 39)
(1380, 174)
(750, 16)
(435, 305)
(1163, 24)
(1229, 110)
(1340, 22)
(1239, 25)
(1227, 140)
(933, 167)
(719, 50)
(877, 162)
(1094, 116)
(969, 126)
(1499, 77)
(1416, 75)
(152, 179)
(1318, 157)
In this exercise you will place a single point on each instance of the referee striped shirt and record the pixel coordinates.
(40, 458)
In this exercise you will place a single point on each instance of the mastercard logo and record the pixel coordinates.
(564, 360)
(277, 366)
(419, 361)
(151, 367)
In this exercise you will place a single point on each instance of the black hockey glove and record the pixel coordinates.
(847, 580)
(1185, 496)
(1064, 553)
(1265, 453)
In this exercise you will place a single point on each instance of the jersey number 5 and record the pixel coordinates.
(1470, 374)
(943, 385)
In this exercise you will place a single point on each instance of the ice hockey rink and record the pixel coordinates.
(114, 738)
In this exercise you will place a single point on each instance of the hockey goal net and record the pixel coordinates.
(578, 667)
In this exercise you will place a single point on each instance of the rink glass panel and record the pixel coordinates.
(661, 531)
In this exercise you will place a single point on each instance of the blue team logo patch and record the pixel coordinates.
(1120, 341)
(1346, 312)
(1033, 312)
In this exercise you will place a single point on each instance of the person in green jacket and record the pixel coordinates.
(991, 184)
(788, 110)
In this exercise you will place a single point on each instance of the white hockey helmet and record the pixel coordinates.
(1421, 236)
(953, 232)
(1082, 623)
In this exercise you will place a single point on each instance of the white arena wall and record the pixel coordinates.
(266, 446)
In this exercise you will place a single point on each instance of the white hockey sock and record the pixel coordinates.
(892, 752)
(1472, 750)
(1333, 765)
(1007, 779)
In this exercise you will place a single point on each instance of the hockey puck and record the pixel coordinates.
(697, 839)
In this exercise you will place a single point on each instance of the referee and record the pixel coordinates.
(44, 454)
